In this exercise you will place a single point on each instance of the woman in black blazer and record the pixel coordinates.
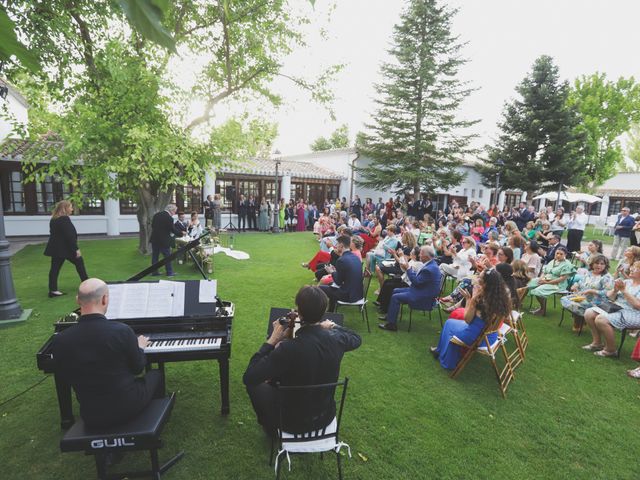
(63, 245)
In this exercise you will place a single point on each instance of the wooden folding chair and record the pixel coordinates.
(488, 349)
(520, 338)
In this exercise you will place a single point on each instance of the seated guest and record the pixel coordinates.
(505, 255)
(347, 275)
(630, 256)
(625, 293)
(461, 266)
(383, 250)
(488, 259)
(356, 248)
(493, 222)
(181, 227)
(554, 244)
(101, 359)
(520, 274)
(489, 305)
(590, 290)
(407, 243)
(531, 258)
(354, 222)
(506, 270)
(554, 278)
(194, 228)
(478, 230)
(423, 289)
(391, 283)
(450, 249)
(313, 356)
(371, 235)
(516, 243)
(544, 235)
(593, 247)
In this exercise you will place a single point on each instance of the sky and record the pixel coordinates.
(504, 37)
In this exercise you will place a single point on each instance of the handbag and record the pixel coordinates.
(610, 307)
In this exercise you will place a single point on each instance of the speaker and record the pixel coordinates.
(230, 192)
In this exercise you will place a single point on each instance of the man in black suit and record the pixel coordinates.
(251, 213)
(243, 206)
(181, 227)
(312, 357)
(347, 275)
(207, 205)
(101, 359)
(554, 244)
(356, 207)
(161, 230)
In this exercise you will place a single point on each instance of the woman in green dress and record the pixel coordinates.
(263, 216)
(281, 212)
(555, 275)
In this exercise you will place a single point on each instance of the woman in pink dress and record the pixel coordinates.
(300, 208)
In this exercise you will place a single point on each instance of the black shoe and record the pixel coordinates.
(55, 293)
(392, 327)
(434, 352)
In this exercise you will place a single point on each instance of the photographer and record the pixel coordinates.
(312, 357)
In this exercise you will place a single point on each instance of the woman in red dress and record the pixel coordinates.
(300, 208)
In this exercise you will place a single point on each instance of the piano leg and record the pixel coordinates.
(63, 390)
(163, 384)
(224, 385)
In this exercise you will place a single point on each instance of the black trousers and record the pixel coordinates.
(389, 285)
(56, 265)
(252, 220)
(264, 399)
(156, 250)
(574, 239)
(242, 221)
(334, 295)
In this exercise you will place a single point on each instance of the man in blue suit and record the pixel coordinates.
(424, 288)
(347, 275)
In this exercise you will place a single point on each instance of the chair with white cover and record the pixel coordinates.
(490, 350)
(318, 441)
(360, 304)
(519, 334)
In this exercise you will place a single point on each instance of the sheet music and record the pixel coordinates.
(208, 290)
(146, 300)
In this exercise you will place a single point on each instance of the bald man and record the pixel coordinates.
(101, 359)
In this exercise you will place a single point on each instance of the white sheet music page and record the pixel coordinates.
(116, 293)
(160, 300)
(178, 299)
(208, 291)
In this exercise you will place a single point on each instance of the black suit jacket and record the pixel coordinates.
(161, 229)
(312, 357)
(100, 360)
(63, 238)
(348, 276)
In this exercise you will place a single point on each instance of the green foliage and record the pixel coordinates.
(415, 140)
(539, 143)
(542, 426)
(633, 146)
(10, 46)
(338, 139)
(607, 110)
(145, 16)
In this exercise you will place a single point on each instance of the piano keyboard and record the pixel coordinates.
(183, 344)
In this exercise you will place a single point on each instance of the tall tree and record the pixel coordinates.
(633, 148)
(235, 47)
(416, 141)
(338, 139)
(539, 142)
(607, 110)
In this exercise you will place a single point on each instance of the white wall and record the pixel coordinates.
(471, 187)
(17, 110)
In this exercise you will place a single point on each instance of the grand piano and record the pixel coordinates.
(202, 333)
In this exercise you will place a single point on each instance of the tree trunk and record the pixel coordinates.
(149, 204)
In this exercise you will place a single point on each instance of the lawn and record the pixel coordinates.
(590, 233)
(568, 414)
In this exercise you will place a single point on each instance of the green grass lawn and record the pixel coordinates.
(591, 234)
(568, 414)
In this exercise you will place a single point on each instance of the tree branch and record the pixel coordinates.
(87, 41)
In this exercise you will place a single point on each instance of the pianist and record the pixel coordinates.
(312, 357)
(100, 360)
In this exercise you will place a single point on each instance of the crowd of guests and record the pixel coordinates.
(408, 248)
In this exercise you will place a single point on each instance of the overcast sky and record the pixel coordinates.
(504, 38)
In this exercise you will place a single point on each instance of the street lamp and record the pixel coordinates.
(276, 207)
(499, 164)
(10, 310)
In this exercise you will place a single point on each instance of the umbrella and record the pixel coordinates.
(570, 197)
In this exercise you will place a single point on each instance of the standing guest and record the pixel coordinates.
(243, 207)
(575, 229)
(208, 210)
(300, 212)
(62, 245)
(389, 207)
(347, 275)
(181, 226)
(216, 211)
(252, 212)
(313, 356)
(422, 292)
(263, 216)
(356, 207)
(368, 208)
(488, 306)
(558, 224)
(161, 231)
(281, 214)
(379, 207)
(621, 234)
(101, 360)
(290, 215)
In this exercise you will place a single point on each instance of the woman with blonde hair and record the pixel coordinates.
(63, 245)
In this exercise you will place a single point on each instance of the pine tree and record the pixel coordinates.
(539, 143)
(415, 141)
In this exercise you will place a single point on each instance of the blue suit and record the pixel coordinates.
(425, 287)
(348, 277)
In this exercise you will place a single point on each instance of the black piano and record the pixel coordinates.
(202, 333)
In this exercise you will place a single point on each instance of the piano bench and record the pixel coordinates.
(141, 433)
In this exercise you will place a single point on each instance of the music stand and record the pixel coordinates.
(230, 225)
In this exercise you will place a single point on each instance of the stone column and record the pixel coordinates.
(209, 187)
(286, 188)
(112, 212)
(501, 199)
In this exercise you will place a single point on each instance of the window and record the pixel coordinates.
(128, 206)
(221, 189)
(315, 194)
(480, 192)
(91, 206)
(297, 191)
(13, 199)
(333, 192)
(248, 188)
(188, 199)
(465, 192)
(270, 191)
(473, 192)
(48, 193)
(615, 205)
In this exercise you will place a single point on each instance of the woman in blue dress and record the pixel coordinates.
(487, 307)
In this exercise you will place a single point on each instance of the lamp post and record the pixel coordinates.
(276, 209)
(10, 310)
(499, 164)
